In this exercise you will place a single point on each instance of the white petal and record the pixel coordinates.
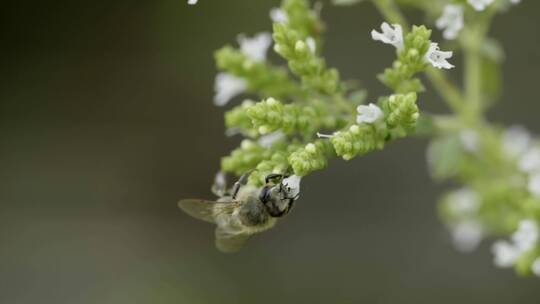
(312, 45)
(390, 35)
(536, 267)
(526, 235)
(226, 87)
(268, 140)
(534, 185)
(464, 201)
(292, 185)
(505, 254)
(438, 58)
(368, 114)
(530, 161)
(480, 5)
(278, 15)
(469, 139)
(192, 2)
(256, 47)
(516, 140)
(467, 236)
(451, 21)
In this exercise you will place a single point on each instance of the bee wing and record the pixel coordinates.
(199, 208)
(229, 242)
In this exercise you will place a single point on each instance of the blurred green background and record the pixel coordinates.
(106, 120)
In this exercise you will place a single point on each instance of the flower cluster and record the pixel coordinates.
(306, 115)
(501, 172)
(320, 102)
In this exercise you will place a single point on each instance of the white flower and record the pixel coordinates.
(530, 161)
(480, 5)
(368, 114)
(466, 236)
(312, 45)
(278, 15)
(438, 58)
(292, 185)
(451, 21)
(534, 185)
(469, 140)
(389, 35)
(526, 236)
(516, 141)
(255, 48)
(192, 2)
(464, 201)
(505, 254)
(268, 140)
(536, 267)
(226, 87)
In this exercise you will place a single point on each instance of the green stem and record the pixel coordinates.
(446, 89)
(472, 40)
(391, 12)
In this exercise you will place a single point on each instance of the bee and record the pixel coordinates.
(245, 210)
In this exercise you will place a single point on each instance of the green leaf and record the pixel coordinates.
(445, 155)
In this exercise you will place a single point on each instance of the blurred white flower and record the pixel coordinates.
(530, 161)
(469, 140)
(480, 5)
(516, 140)
(464, 201)
(515, 1)
(292, 185)
(312, 45)
(369, 113)
(534, 184)
(268, 140)
(226, 87)
(255, 48)
(523, 239)
(505, 254)
(526, 235)
(438, 58)
(390, 35)
(277, 15)
(192, 2)
(451, 21)
(466, 236)
(536, 267)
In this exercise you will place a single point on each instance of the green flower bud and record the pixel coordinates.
(303, 61)
(310, 158)
(238, 118)
(410, 61)
(401, 112)
(244, 158)
(271, 115)
(359, 139)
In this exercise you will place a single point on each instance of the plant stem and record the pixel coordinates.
(391, 12)
(472, 40)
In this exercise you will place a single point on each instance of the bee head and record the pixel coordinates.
(278, 199)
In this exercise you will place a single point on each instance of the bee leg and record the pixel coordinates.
(219, 188)
(272, 176)
(241, 182)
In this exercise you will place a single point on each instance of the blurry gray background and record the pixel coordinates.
(106, 120)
